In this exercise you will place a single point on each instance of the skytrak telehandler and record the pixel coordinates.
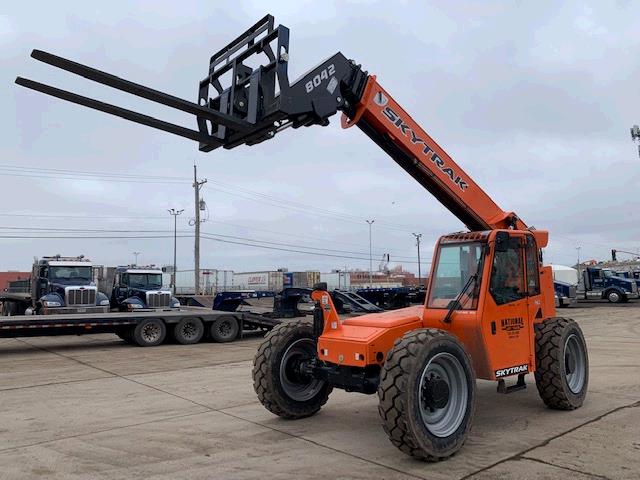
(489, 310)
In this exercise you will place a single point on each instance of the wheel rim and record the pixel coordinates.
(443, 395)
(574, 363)
(614, 297)
(225, 329)
(151, 332)
(189, 331)
(297, 386)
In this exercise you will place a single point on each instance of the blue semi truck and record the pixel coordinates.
(58, 285)
(140, 288)
(605, 283)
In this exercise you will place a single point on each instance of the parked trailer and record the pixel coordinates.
(144, 328)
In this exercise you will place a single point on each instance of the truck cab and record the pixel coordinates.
(137, 288)
(65, 285)
(632, 275)
(598, 282)
(565, 293)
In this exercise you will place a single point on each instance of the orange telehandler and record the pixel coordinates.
(489, 311)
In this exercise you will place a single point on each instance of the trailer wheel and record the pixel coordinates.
(224, 329)
(188, 331)
(150, 332)
(427, 394)
(8, 308)
(562, 364)
(281, 387)
(126, 334)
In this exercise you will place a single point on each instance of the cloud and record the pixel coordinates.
(534, 101)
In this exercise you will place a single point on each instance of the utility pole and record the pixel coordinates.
(635, 136)
(174, 213)
(197, 185)
(578, 265)
(418, 236)
(135, 254)
(370, 222)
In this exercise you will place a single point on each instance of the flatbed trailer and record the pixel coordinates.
(145, 328)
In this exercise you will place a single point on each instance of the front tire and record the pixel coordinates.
(281, 387)
(427, 394)
(615, 297)
(562, 364)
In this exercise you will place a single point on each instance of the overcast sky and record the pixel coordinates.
(533, 99)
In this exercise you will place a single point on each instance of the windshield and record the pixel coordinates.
(74, 274)
(145, 280)
(456, 263)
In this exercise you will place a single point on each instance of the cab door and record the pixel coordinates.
(506, 308)
(535, 303)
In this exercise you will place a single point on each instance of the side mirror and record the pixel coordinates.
(502, 241)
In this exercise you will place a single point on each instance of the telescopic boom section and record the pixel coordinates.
(383, 120)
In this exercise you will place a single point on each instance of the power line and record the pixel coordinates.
(38, 172)
(22, 168)
(143, 237)
(88, 178)
(213, 235)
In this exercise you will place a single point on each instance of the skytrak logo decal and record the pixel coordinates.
(427, 151)
(505, 372)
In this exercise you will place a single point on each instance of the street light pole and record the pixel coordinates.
(418, 236)
(174, 213)
(135, 254)
(370, 222)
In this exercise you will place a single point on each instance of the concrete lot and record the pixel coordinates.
(94, 407)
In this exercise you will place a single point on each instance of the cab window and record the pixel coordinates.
(533, 277)
(457, 263)
(507, 274)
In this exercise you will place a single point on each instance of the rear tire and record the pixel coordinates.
(126, 334)
(8, 308)
(188, 331)
(280, 387)
(562, 364)
(427, 394)
(149, 332)
(224, 329)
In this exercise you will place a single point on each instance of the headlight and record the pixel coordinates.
(51, 304)
(175, 304)
(104, 302)
(133, 306)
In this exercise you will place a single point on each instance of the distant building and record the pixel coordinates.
(394, 277)
(6, 277)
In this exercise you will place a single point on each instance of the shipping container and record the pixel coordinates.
(271, 281)
(211, 281)
(565, 274)
(336, 280)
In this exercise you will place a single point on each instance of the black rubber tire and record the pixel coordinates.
(126, 334)
(266, 372)
(613, 296)
(188, 331)
(550, 374)
(399, 394)
(224, 329)
(8, 309)
(142, 340)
